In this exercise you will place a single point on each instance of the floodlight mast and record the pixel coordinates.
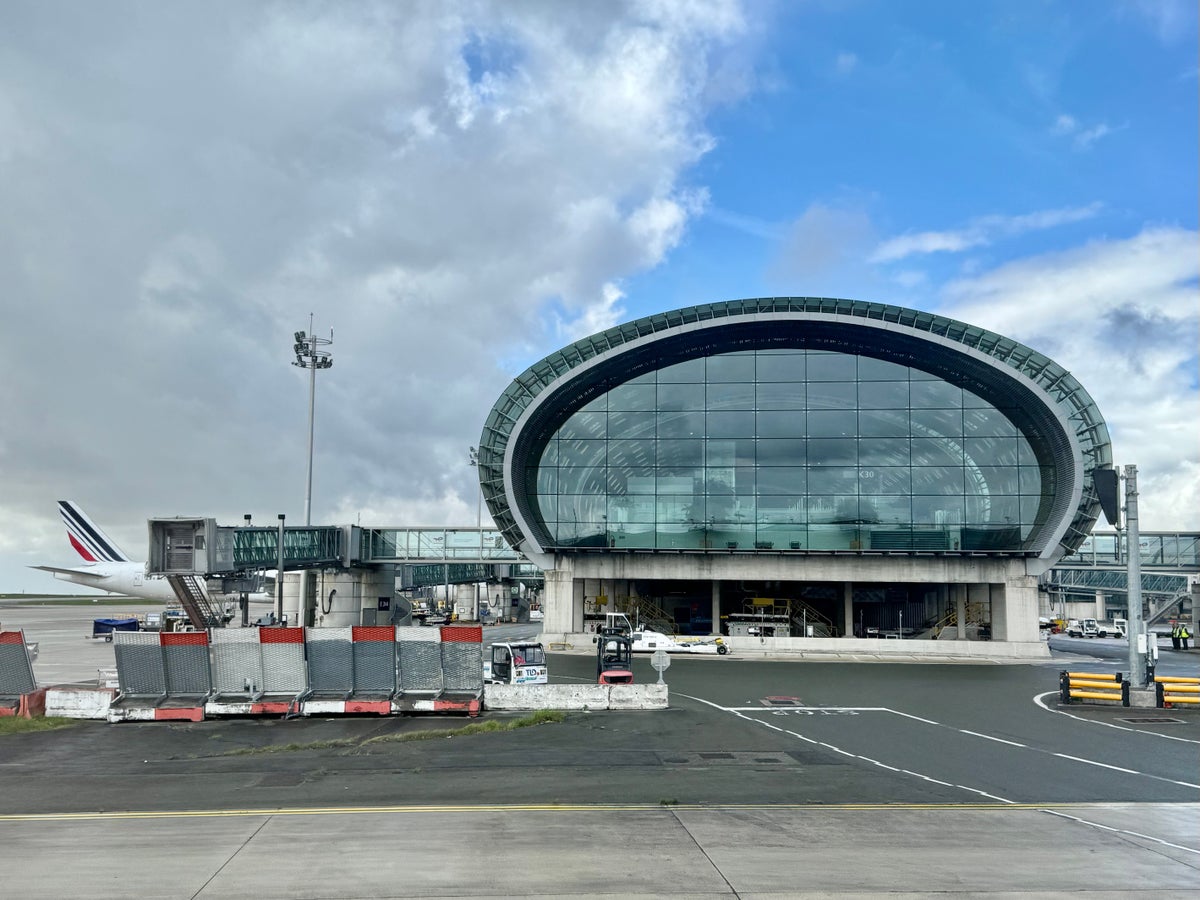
(474, 462)
(309, 355)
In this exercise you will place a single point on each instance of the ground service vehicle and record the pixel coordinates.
(1083, 628)
(516, 663)
(1117, 628)
(614, 659)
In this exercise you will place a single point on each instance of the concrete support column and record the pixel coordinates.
(847, 608)
(558, 600)
(1100, 613)
(1015, 610)
(960, 609)
(716, 607)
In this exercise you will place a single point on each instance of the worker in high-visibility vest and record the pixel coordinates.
(1184, 635)
(1175, 636)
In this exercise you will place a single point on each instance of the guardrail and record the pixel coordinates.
(1109, 687)
(1172, 690)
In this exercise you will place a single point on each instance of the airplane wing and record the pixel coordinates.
(62, 570)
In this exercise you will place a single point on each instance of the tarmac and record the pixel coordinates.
(764, 779)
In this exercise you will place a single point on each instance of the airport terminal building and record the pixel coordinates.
(796, 466)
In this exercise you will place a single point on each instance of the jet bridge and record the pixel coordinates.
(199, 546)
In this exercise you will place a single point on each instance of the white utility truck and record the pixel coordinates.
(516, 663)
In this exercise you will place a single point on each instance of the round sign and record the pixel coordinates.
(660, 660)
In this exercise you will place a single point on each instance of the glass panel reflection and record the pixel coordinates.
(790, 450)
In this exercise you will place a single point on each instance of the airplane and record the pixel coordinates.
(107, 567)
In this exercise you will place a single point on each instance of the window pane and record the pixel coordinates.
(680, 453)
(871, 369)
(782, 423)
(883, 452)
(882, 423)
(681, 396)
(585, 425)
(731, 367)
(937, 422)
(936, 395)
(936, 453)
(832, 395)
(830, 423)
(883, 395)
(832, 452)
(674, 424)
(831, 367)
(632, 424)
(731, 424)
(690, 372)
(781, 396)
(631, 454)
(781, 366)
(781, 452)
(632, 396)
(783, 480)
(985, 422)
(998, 451)
(731, 396)
(581, 453)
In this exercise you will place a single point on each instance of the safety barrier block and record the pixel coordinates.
(418, 668)
(1171, 691)
(71, 702)
(19, 694)
(285, 672)
(1106, 686)
(462, 670)
(374, 663)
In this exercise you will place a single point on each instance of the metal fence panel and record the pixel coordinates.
(462, 658)
(330, 660)
(284, 670)
(374, 659)
(419, 659)
(16, 672)
(185, 656)
(140, 667)
(462, 667)
(236, 661)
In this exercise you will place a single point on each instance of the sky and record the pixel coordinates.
(456, 190)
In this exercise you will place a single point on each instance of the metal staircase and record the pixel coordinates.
(194, 601)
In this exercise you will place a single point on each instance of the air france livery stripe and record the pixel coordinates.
(88, 540)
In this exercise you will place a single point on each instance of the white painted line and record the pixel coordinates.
(742, 713)
(1039, 700)
(988, 737)
(1136, 834)
(1092, 762)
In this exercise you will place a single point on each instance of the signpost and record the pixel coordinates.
(661, 661)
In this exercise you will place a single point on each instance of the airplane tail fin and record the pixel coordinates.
(86, 537)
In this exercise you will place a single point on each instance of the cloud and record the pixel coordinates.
(1170, 20)
(1123, 316)
(187, 183)
(979, 232)
(1082, 138)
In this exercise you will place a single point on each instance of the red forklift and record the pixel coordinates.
(614, 657)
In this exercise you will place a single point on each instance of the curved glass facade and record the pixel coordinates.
(790, 449)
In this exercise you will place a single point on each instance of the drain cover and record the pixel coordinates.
(1153, 720)
(781, 701)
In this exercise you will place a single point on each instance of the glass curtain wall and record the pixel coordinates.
(790, 450)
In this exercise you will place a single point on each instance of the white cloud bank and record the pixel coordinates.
(979, 232)
(184, 183)
(1124, 316)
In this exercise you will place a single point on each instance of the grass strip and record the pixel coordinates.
(540, 717)
(18, 725)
